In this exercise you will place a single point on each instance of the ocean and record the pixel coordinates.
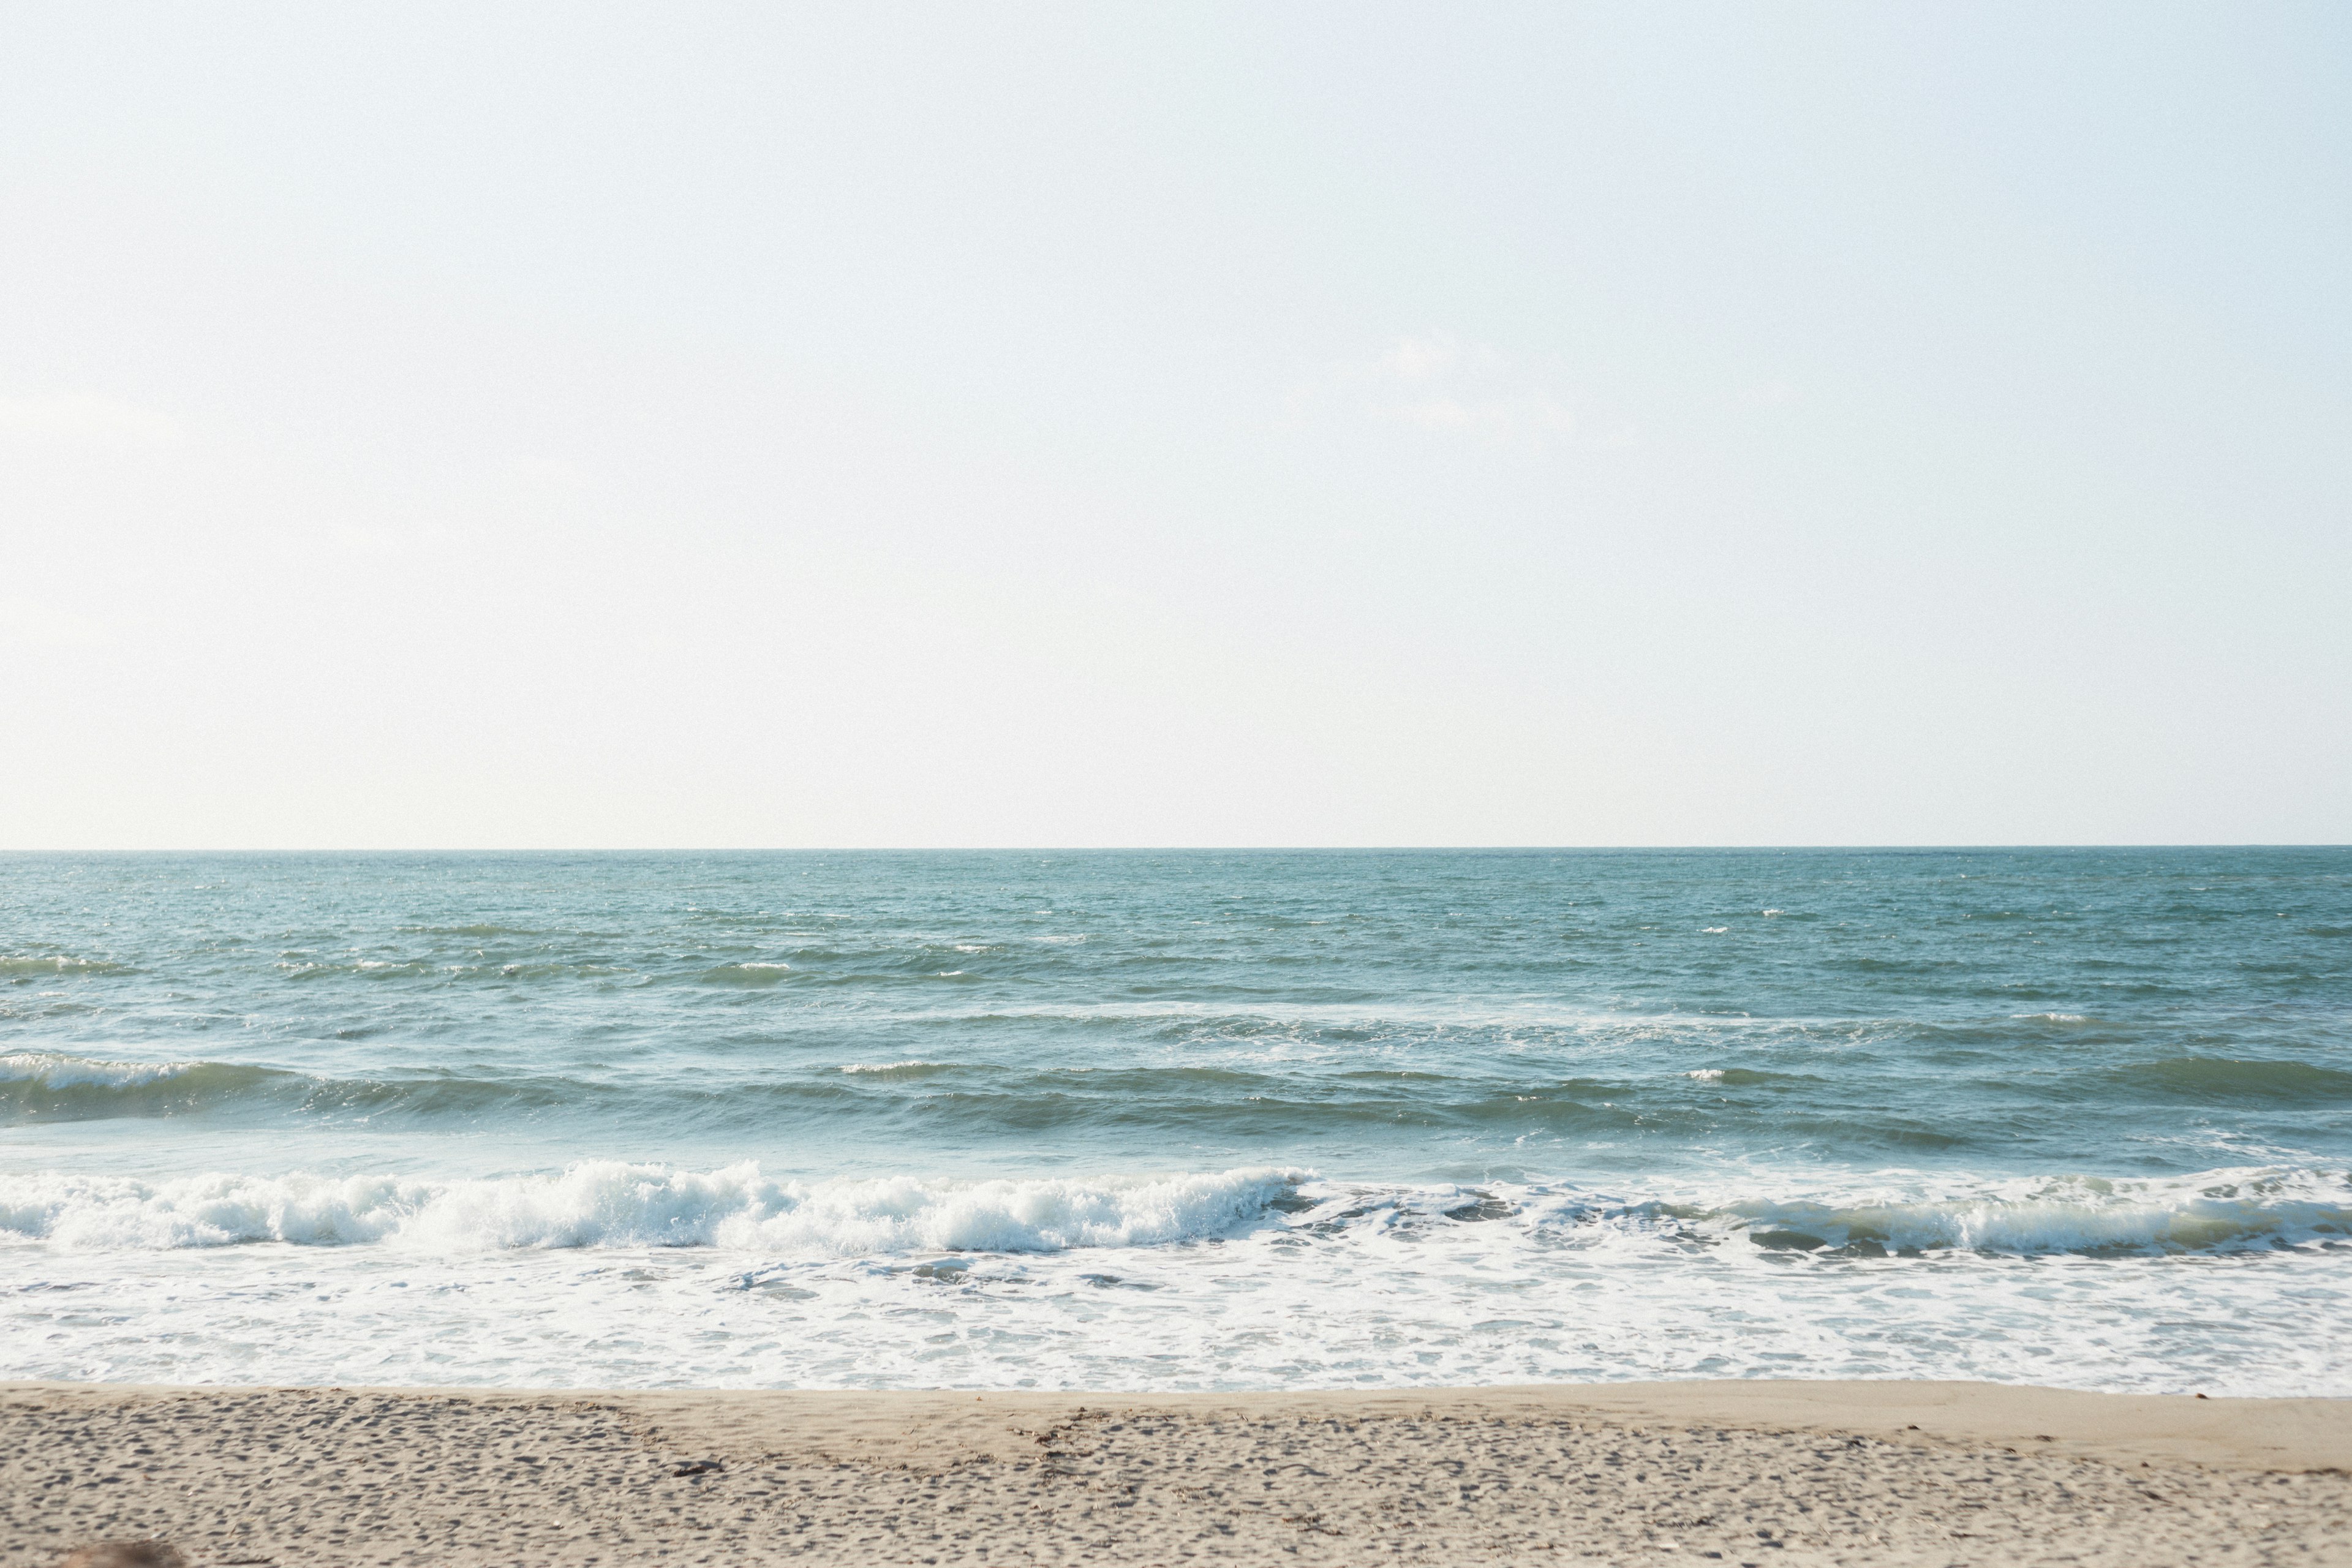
(1182, 1119)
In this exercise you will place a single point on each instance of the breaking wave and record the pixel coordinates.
(608, 1204)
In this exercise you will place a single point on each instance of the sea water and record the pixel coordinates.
(1195, 1119)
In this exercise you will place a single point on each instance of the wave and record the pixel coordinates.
(2214, 1213)
(743, 1096)
(27, 967)
(745, 974)
(1245, 1100)
(51, 1069)
(608, 1204)
(52, 1086)
(44, 1084)
(478, 929)
(2225, 1078)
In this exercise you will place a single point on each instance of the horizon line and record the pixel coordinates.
(1953, 846)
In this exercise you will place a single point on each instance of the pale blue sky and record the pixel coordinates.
(1223, 425)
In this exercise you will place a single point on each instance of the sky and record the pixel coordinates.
(1316, 423)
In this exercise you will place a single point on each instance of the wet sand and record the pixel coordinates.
(1762, 1473)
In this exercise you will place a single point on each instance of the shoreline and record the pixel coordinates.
(1733, 1471)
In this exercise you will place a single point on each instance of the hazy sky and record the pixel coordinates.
(1280, 424)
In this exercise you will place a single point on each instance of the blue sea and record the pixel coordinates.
(1183, 1120)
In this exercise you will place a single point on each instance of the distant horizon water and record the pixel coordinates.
(1178, 1118)
(2053, 846)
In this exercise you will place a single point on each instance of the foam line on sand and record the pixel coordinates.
(1785, 1473)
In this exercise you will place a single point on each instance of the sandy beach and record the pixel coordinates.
(1746, 1472)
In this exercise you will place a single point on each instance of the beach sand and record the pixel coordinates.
(1780, 1474)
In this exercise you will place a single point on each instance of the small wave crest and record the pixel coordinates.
(52, 1086)
(49, 1069)
(23, 967)
(40, 1084)
(745, 974)
(610, 1203)
(2203, 1078)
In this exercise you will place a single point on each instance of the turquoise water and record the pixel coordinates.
(1179, 1119)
